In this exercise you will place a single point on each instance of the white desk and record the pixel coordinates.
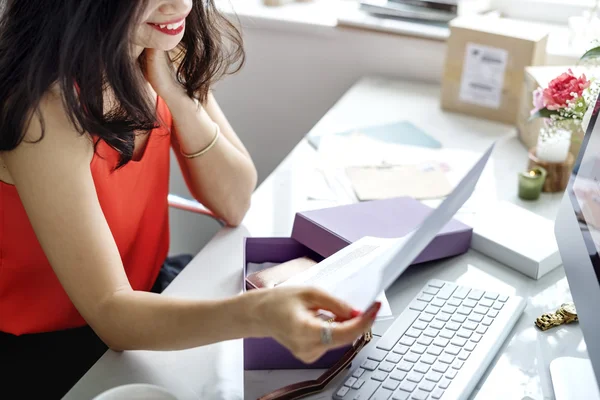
(518, 371)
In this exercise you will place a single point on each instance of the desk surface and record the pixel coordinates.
(521, 368)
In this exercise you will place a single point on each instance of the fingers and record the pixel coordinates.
(319, 299)
(347, 332)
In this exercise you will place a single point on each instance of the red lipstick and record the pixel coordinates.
(164, 28)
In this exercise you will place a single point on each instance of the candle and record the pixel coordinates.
(553, 148)
(531, 183)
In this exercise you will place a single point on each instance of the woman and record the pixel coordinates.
(94, 94)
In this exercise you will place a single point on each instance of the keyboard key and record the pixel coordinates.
(461, 293)
(441, 342)
(393, 358)
(444, 383)
(407, 386)
(422, 367)
(418, 348)
(452, 349)
(425, 340)
(436, 324)
(377, 355)
(487, 321)
(426, 317)
(370, 365)
(413, 333)
(407, 341)
(425, 297)
(412, 357)
(427, 386)
(490, 295)
(436, 283)
(419, 395)
(470, 346)
(350, 381)
(391, 384)
(451, 373)
(482, 329)
(460, 342)
(435, 350)
(454, 302)
(358, 384)
(492, 313)
(446, 292)
(342, 392)
(446, 358)
(432, 333)
(498, 305)
(415, 377)
(446, 334)
(470, 325)
(358, 372)
(462, 310)
(379, 376)
(382, 394)
(428, 359)
(486, 302)
(398, 375)
(440, 367)
(431, 290)
(458, 364)
(417, 305)
(476, 317)
(464, 333)
(438, 302)
(464, 355)
(400, 325)
(469, 303)
(369, 388)
(401, 349)
(420, 325)
(476, 337)
(502, 298)
(458, 318)
(433, 376)
(443, 317)
(480, 310)
(449, 309)
(405, 366)
(476, 294)
(437, 394)
(432, 309)
(387, 366)
(453, 326)
(400, 395)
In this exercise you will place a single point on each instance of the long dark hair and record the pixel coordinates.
(84, 47)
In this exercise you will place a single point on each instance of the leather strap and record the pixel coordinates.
(306, 388)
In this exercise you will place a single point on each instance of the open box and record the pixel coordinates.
(320, 233)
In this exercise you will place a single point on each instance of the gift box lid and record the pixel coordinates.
(328, 230)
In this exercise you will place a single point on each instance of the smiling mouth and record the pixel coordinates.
(170, 29)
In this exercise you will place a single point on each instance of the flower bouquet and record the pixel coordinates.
(565, 105)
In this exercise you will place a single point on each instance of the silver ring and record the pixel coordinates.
(326, 334)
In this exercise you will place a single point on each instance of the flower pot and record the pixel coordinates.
(558, 174)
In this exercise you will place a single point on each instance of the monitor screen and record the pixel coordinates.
(584, 191)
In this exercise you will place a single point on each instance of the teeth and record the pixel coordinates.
(162, 26)
(172, 26)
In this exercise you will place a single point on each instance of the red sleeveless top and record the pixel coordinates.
(134, 201)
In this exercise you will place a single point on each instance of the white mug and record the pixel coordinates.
(136, 391)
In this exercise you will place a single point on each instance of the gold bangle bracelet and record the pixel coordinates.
(207, 148)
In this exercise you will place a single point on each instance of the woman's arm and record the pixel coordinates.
(55, 185)
(222, 179)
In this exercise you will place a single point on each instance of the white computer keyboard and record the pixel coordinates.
(438, 348)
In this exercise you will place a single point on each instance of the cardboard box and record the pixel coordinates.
(540, 76)
(320, 233)
(485, 65)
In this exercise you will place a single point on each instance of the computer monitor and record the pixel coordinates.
(577, 231)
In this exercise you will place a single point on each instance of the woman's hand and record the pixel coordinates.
(160, 72)
(289, 315)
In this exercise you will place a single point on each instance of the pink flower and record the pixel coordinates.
(538, 100)
(559, 90)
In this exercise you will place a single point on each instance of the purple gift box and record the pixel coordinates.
(321, 233)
